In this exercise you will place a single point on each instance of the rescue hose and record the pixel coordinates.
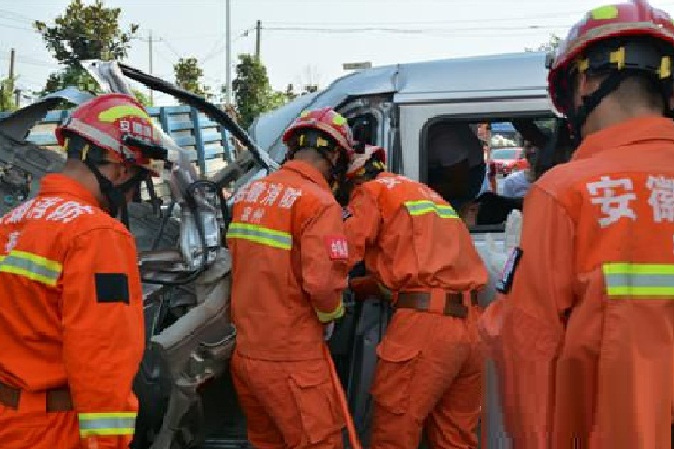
(337, 385)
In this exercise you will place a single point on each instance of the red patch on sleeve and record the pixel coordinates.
(337, 246)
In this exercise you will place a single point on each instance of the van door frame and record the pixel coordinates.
(415, 118)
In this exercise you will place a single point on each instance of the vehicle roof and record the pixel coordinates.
(505, 75)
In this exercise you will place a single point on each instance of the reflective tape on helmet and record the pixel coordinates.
(99, 137)
(627, 279)
(118, 112)
(428, 207)
(31, 266)
(330, 316)
(608, 12)
(106, 424)
(260, 235)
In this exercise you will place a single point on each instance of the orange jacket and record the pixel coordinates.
(289, 259)
(410, 238)
(584, 338)
(71, 311)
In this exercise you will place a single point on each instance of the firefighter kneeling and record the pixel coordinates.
(429, 374)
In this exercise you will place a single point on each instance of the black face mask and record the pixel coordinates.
(116, 194)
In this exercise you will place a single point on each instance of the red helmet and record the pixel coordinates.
(328, 121)
(106, 120)
(636, 18)
(371, 152)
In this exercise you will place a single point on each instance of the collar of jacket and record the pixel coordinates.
(58, 184)
(642, 129)
(306, 171)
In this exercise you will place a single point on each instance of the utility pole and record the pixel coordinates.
(258, 29)
(11, 65)
(11, 77)
(228, 71)
(149, 41)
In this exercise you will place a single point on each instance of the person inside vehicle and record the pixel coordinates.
(71, 321)
(456, 168)
(417, 250)
(584, 330)
(516, 185)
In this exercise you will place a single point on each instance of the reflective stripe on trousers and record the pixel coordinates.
(628, 279)
(107, 424)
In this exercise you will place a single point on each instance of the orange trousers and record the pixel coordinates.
(428, 378)
(31, 427)
(38, 430)
(288, 404)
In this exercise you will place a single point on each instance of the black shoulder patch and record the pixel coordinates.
(112, 287)
(504, 284)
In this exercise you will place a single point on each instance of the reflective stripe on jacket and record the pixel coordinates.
(289, 257)
(71, 307)
(584, 339)
(410, 238)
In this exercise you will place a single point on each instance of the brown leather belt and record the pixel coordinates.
(451, 304)
(57, 399)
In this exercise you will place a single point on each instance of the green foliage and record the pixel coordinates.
(252, 91)
(71, 77)
(142, 98)
(188, 74)
(7, 95)
(84, 32)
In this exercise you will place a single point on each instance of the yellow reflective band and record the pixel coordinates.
(618, 57)
(338, 120)
(626, 279)
(261, 235)
(637, 268)
(106, 424)
(665, 70)
(31, 266)
(583, 65)
(424, 207)
(608, 12)
(321, 142)
(118, 112)
(327, 317)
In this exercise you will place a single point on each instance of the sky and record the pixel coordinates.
(302, 41)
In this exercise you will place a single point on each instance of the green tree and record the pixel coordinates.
(254, 95)
(7, 95)
(84, 32)
(142, 98)
(552, 44)
(188, 76)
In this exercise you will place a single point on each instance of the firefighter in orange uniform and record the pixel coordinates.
(429, 373)
(289, 257)
(71, 316)
(585, 344)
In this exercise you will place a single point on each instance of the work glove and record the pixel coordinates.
(328, 329)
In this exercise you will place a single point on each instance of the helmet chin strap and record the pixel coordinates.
(578, 116)
(115, 195)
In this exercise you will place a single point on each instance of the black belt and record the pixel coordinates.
(453, 303)
(57, 399)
